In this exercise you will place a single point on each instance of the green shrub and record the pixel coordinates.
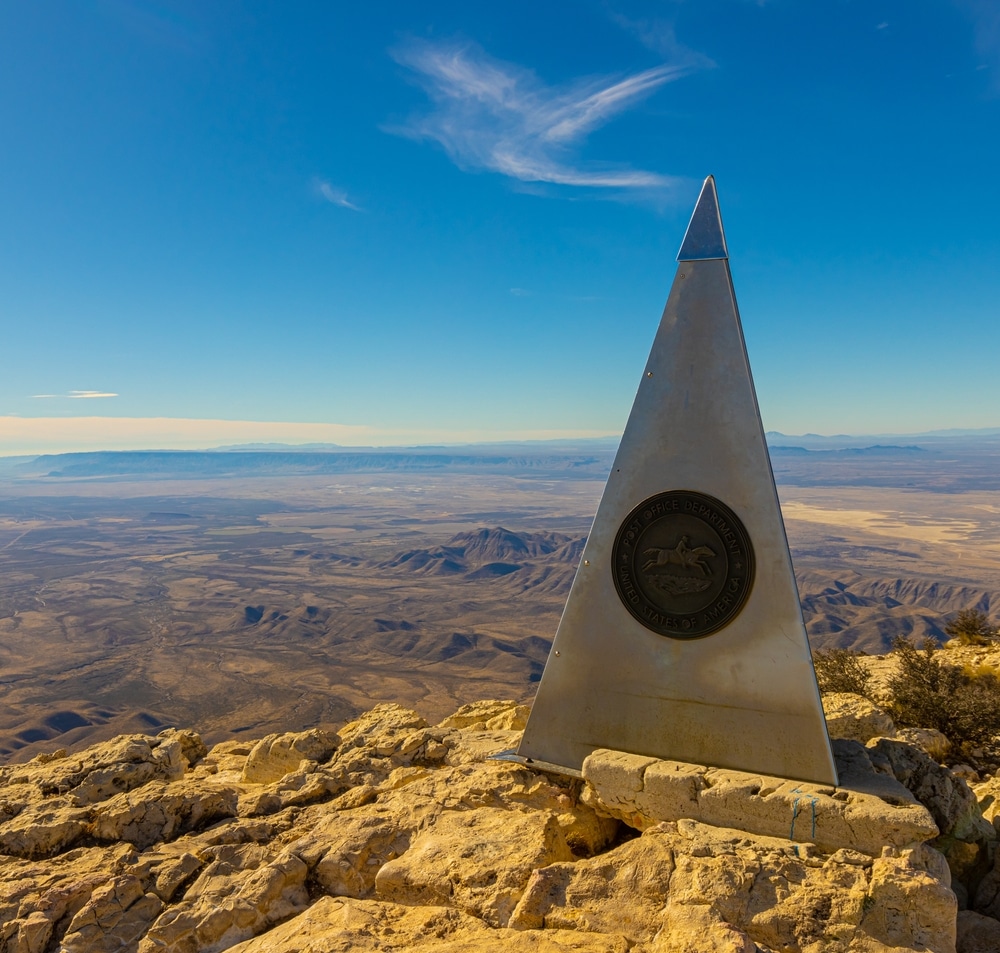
(840, 670)
(927, 693)
(972, 627)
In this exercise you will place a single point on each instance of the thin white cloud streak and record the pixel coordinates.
(74, 395)
(35, 435)
(497, 116)
(335, 196)
(659, 35)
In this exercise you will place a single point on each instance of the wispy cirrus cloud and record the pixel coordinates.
(500, 117)
(659, 35)
(334, 196)
(75, 395)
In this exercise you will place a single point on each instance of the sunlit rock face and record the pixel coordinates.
(395, 834)
(855, 718)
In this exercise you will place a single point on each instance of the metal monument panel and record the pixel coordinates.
(682, 636)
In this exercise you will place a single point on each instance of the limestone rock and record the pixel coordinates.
(868, 772)
(42, 830)
(472, 746)
(242, 892)
(623, 891)
(976, 933)
(35, 897)
(697, 928)
(911, 905)
(509, 786)
(643, 791)
(685, 886)
(988, 795)
(117, 914)
(47, 804)
(386, 738)
(966, 837)
(228, 757)
(151, 844)
(497, 715)
(929, 740)
(383, 723)
(339, 925)
(348, 851)
(949, 799)
(104, 769)
(277, 755)
(160, 812)
(192, 747)
(165, 869)
(478, 861)
(310, 782)
(855, 718)
(513, 719)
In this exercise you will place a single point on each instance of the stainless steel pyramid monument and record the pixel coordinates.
(682, 637)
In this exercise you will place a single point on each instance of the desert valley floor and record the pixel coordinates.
(242, 602)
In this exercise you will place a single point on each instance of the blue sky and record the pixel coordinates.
(440, 222)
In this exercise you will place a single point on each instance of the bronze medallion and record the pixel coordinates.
(683, 564)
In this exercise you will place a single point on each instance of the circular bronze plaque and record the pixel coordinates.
(683, 564)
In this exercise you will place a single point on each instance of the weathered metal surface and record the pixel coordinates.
(704, 238)
(741, 694)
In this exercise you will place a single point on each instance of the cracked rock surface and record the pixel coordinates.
(392, 834)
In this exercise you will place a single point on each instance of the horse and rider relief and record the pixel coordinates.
(658, 560)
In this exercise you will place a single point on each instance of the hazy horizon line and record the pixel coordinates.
(37, 436)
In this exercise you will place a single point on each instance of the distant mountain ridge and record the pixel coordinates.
(878, 450)
(529, 559)
(208, 463)
(284, 457)
(936, 438)
(586, 458)
(560, 444)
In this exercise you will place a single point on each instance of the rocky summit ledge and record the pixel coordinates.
(643, 791)
(392, 834)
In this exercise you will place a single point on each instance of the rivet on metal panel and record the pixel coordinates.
(682, 274)
(649, 373)
(586, 562)
(557, 653)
